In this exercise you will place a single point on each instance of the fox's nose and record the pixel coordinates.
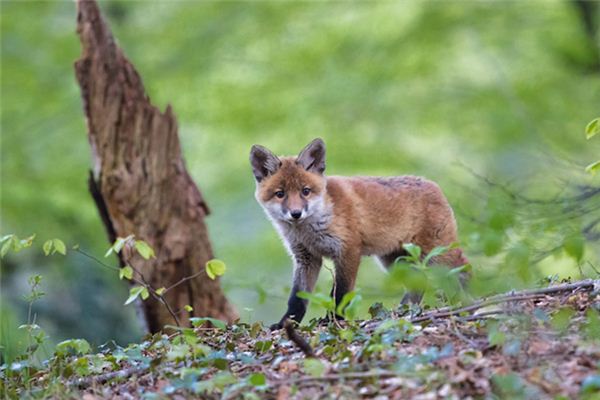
(296, 214)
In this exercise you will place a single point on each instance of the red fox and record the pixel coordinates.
(345, 218)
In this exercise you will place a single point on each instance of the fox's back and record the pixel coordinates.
(388, 211)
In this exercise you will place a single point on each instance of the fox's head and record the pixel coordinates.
(290, 189)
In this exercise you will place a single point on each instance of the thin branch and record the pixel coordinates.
(586, 285)
(335, 377)
(91, 257)
(182, 280)
(142, 282)
(295, 337)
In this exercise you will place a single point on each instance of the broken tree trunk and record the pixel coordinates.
(139, 180)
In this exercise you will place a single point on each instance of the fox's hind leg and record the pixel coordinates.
(387, 260)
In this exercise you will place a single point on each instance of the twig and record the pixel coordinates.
(84, 383)
(83, 253)
(156, 296)
(334, 377)
(588, 284)
(298, 339)
(182, 280)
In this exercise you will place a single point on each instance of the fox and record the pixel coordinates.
(346, 218)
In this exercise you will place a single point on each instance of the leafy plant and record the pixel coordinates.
(347, 308)
(11, 241)
(417, 273)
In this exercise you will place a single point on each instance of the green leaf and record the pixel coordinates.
(314, 367)
(562, 319)
(27, 242)
(413, 250)
(263, 346)
(5, 238)
(134, 292)
(6, 246)
(351, 312)
(160, 291)
(145, 294)
(215, 268)
(258, 379)
(80, 346)
(59, 246)
(320, 299)
(574, 246)
(144, 249)
(593, 168)
(29, 327)
(345, 301)
(437, 251)
(116, 246)
(217, 323)
(591, 384)
(47, 247)
(188, 308)
(492, 243)
(592, 129)
(592, 326)
(126, 272)
(495, 336)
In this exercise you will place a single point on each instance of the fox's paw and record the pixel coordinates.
(276, 326)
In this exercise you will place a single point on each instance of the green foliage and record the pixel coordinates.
(593, 168)
(12, 242)
(418, 273)
(592, 128)
(198, 322)
(373, 89)
(54, 246)
(347, 308)
(590, 386)
(135, 292)
(144, 249)
(314, 367)
(510, 386)
(77, 346)
(215, 268)
(561, 319)
(118, 245)
(233, 361)
(257, 379)
(127, 273)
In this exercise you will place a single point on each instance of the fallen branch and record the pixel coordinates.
(340, 376)
(586, 285)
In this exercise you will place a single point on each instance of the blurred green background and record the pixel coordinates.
(439, 89)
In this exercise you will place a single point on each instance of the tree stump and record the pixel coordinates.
(139, 180)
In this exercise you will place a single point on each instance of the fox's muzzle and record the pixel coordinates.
(296, 214)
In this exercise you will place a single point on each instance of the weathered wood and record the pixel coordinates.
(139, 179)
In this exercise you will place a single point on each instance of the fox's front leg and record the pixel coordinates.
(346, 269)
(306, 272)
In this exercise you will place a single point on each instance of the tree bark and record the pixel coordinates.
(139, 180)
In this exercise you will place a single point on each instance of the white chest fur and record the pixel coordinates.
(314, 234)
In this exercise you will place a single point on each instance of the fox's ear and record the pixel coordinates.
(312, 157)
(263, 162)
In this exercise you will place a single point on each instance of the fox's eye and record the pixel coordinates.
(305, 191)
(280, 194)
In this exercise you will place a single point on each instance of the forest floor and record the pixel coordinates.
(521, 345)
